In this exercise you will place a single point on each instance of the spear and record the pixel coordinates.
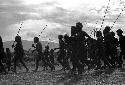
(118, 17)
(95, 28)
(40, 34)
(96, 22)
(93, 31)
(18, 33)
(19, 28)
(43, 29)
(49, 41)
(105, 14)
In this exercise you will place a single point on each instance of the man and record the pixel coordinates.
(122, 46)
(107, 46)
(2, 55)
(100, 47)
(68, 51)
(62, 52)
(51, 56)
(38, 49)
(47, 61)
(9, 56)
(19, 53)
(114, 45)
(78, 48)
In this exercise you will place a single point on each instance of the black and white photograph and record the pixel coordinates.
(62, 42)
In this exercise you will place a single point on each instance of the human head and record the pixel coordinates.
(51, 50)
(36, 39)
(7, 50)
(79, 26)
(119, 32)
(98, 33)
(112, 33)
(66, 36)
(47, 47)
(73, 30)
(18, 39)
(106, 30)
(60, 37)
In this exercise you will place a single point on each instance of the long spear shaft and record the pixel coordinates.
(105, 14)
(117, 17)
(43, 30)
(18, 33)
(19, 29)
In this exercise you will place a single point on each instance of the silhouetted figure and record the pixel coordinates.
(100, 49)
(51, 56)
(2, 56)
(9, 58)
(114, 45)
(101, 52)
(73, 31)
(46, 58)
(19, 53)
(78, 48)
(122, 46)
(62, 51)
(68, 52)
(107, 46)
(73, 48)
(38, 49)
(47, 61)
(92, 50)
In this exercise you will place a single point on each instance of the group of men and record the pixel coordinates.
(10, 62)
(82, 50)
(47, 57)
(7, 60)
(75, 51)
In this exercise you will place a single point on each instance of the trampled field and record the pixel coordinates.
(59, 77)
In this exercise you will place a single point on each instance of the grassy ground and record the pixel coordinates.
(58, 77)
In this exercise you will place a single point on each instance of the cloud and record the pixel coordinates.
(59, 15)
(31, 28)
(10, 2)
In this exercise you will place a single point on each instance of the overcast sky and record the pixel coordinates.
(58, 15)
